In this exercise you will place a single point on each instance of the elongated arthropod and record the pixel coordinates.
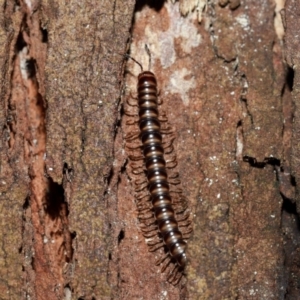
(153, 151)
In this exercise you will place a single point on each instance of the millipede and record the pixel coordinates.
(159, 212)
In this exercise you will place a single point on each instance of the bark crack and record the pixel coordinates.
(46, 238)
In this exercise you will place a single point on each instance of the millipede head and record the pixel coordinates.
(147, 76)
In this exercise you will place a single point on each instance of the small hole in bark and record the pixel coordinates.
(67, 169)
(68, 172)
(44, 35)
(30, 68)
(290, 78)
(293, 180)
(121, 236)
(123, 168)
(291, 208)
(73, 235)
(155, 4)
(32, 263)
(20, 43)
(26, 203)
(55, 199)
(109, 256)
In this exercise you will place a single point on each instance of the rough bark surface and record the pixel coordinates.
(69, 221)
(61, 74)
(291, 16)
(225, 89)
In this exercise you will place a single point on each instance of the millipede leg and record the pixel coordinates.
(179, 279)
(177, 191)
(169, 149)
(172, 279)
(185, 227)
(130, 114)
(134, 146)
(161, 260)
(134, 103)
(132, 136)
(179, 208)
(145, 216)
(138, 171)
(171, 163)
(186, 235)
(163, 118)
(132, 122)
(168, 143)
(141, 182)
(154, 227)
(155, 247)
(144, 206)
(165, 265)
(148, 222)
(182, 218)
(167, 130)
(143, 199)
(159, 100)
(171, 273)
(150, 234)
(141, 187)
(135, 158)
(174, 181)
(174, 175)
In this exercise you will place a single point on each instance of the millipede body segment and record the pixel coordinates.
(153, 152)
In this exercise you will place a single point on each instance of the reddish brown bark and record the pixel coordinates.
(70, 227)
(57, 145)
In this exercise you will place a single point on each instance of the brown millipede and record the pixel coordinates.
(158, 182)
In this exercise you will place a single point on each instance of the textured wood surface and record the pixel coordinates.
(69, 222)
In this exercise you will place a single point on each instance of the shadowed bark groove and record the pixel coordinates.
(291, 210)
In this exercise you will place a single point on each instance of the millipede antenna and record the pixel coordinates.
(149, 53)
(128, 56)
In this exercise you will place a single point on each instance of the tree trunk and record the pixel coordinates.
(70, 227)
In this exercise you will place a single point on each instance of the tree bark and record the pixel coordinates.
(70, 227)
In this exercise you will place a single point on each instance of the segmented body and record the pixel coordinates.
(153, 151)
